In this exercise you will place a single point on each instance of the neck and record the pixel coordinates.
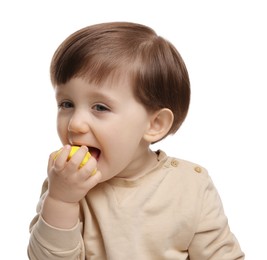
(144, 162)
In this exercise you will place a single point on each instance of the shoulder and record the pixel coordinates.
(186, 181)
(190, 168)
(183, 166)
(183, 170)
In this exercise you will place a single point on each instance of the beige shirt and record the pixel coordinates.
(173, 212)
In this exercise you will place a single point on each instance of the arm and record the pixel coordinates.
(55, 232)
(213, 239)
(47, 242)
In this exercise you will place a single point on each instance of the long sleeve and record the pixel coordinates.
(47, 242)
(172, 212)
(213, 239)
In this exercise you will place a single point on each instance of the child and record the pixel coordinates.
(119, 89)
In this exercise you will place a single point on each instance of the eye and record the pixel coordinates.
(100, 108)
(65, 104)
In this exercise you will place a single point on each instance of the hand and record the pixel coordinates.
(68, 182)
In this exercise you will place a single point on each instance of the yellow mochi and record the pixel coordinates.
(73, 150)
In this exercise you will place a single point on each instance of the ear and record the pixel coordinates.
(160, 124)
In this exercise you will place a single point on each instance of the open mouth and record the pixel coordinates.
(95, 152)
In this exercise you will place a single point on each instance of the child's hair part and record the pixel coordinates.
(156, 69)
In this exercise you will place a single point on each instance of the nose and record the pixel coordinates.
(79, 123)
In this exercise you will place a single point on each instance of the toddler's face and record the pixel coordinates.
(108, 120)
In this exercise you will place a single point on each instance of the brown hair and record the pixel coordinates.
(158, 73)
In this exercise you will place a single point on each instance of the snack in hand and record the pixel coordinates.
(73, 150)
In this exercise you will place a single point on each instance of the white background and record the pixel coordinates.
(224, 46)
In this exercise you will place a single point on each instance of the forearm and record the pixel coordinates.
(60, 214)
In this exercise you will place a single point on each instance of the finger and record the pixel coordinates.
(61, 156)
(89, 169)
(51, 159)
(77, 158)
(93, 180)
(94, 171)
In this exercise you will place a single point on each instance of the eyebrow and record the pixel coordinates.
(93, 94)
(98, 95)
